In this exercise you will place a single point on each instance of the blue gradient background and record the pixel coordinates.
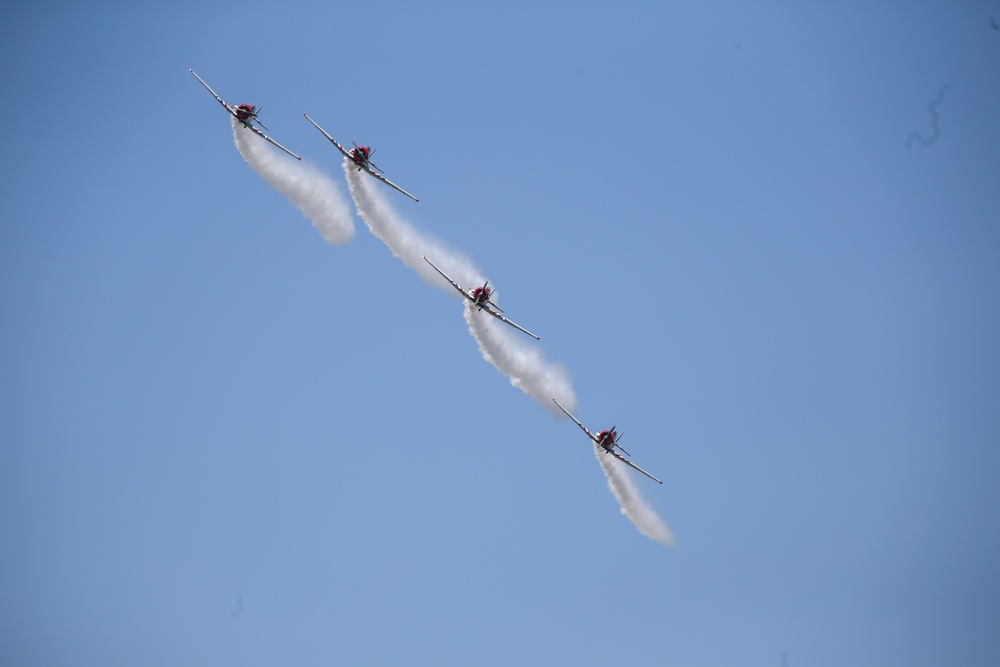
(223, 442)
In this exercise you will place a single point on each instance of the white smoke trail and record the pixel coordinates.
(523, 366)
(310, 190)
(521, 362)
(403, 240)
(518, 360)
(642, 516)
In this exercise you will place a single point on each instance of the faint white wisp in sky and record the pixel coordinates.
(522, 365)
(311, 191)
(633, 506)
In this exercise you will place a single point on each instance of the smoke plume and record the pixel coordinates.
(405, 242)
(309, 189)
(520, 361)
(642, 516)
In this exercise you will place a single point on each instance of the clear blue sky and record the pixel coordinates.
(225, 442)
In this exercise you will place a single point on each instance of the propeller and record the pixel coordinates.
(490, 295)
(253, 115)
(372, 164)
(486, 292)
(493, 295)
(367, 160)
(618, 437)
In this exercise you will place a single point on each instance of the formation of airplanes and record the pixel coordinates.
(359, 155)
(480, 297)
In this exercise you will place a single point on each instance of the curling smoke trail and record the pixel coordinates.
(642, 516)
(313, 192)
(521, 363)
(403, 240)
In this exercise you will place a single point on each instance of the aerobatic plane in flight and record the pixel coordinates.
(362, 157)
(246, 114)
(480, 298)
(608, 440)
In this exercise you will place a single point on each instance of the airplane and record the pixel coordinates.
(480, 297)
(608, 440)
(246, 114)
(362, 157)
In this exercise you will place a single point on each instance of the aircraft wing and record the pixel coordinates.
(448, 278)
(270, 140)
(333, 141)
(510, 322)
(584, 428)
(387, 181)
(214, 94)
(633, 466)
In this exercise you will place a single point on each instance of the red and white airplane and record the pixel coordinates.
(480, 298)
(362, 157)
(608, 440)
(246, 114)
